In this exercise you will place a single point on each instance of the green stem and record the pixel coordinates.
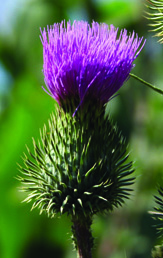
(147, 83)
(82, 236)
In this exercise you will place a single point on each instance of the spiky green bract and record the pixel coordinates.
(79, 166)
(157, 252)
(156, 17)
(158, 213)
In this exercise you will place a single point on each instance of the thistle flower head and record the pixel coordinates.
(86, 63)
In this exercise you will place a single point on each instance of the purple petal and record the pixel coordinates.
(87, 62)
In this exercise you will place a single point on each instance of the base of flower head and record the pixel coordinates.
(79, 166)
(76, 108)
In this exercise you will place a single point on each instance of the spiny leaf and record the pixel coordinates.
(156, 8)
(158, 213)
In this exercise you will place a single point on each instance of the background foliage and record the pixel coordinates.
(24, 108)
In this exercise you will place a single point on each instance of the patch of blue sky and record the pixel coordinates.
(9, 12)
(6, 80)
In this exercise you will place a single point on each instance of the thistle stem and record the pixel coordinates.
(147, 83)
(82, 236)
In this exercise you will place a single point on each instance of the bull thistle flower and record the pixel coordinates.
(80, 165)
(83, 64)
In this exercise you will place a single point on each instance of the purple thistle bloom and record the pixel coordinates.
(84, 63)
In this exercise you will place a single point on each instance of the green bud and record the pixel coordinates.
(79, 166)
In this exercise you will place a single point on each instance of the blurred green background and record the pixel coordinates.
(25, 107)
